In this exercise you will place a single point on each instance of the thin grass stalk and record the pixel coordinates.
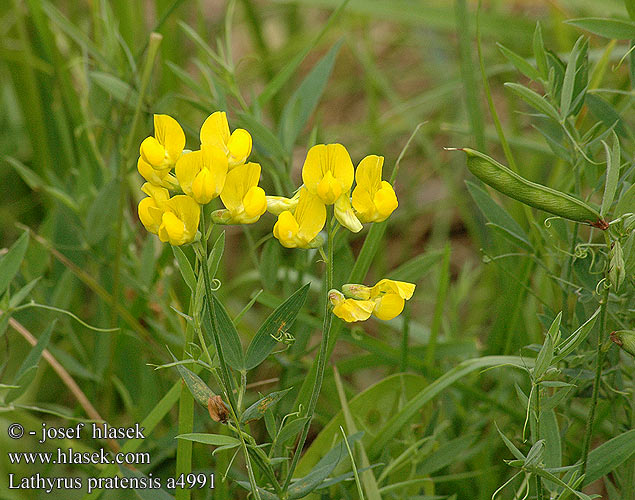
(444, 280)
(322, 356)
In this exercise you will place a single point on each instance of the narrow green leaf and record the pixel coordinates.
(520, 63)
(229, 338)
(215, 256)
(121, 91)
(300, 106)
(211, 439)
(608, 28)
(278, 322)
(23, 293)
(567, 346)
(613, 159)
(534, 100)
(543, 361)
(10, 262)
(539, 52)
(257, 410)
(99, 220)
(510, 446)
(606, 457)
(185, 267)
(26, 373)
(195, 384)
(269, 263)
(305, 485)
(566, 96)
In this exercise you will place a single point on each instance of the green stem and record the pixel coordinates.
(539, 491)
(225, 374)
(598, 373)
(322, 356)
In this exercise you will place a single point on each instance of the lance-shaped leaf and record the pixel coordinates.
(279, 321)
(257, 410)
(195, 384)
(567, 346)
(10, 262)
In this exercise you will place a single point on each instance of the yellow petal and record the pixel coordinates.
(388, 306)
(151, 219)
(157, 193)
(150, 174)
(324, 158)
(351, 310)
(385, 201)
(203, 187)
(152, 152)
(239, 180)
(286, 229)
(401, 288)
(239, 146)
(173, 227)
(368, 173)
(345, 215)
(170, 135)
(187, 212)
(215, 130)
(357, 291)
(310, 214)
(187, 168)
(255, 202)
(329, 188)
(215, 160)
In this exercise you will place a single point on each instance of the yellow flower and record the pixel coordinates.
(300, 228)
(202, 173)
(345, 215)
(151, 208)
(373, 199)
(179, 222)
(164, 149)
(244, 200)
(215, 132)
(388, 296)
(328, 172)
(158, 177)
(350, 310)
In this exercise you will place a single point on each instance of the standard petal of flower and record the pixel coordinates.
(368, 173)
(215, 160)
(170, 134)
(345, 215)
(388, 306)
(239, 181)
(328, 171)
(310, 214)
(215, 130)
(187, 168)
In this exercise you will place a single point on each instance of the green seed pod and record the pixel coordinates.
(625, 339)
(617, 270)
(535, 195)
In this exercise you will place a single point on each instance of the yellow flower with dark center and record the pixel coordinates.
(150, 209)
(202, 173)
(300, 228)
(373, 199)
(162, 150)
(244, 200)
(350, 310)
(179, 222)
(236, 146)
(328, 172)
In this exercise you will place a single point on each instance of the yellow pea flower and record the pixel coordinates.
(164, 148)
(202, 173)
(388, 296)
(244, 200)
(158, 177)
(150, 209)
(328, 172)
(236, 146)
(300, 228)
(345, 215)
(179, 221)
(373, 199)
(350, 310)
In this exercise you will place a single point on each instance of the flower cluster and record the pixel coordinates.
(218, 168)
(328, 176)
(385, 300)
